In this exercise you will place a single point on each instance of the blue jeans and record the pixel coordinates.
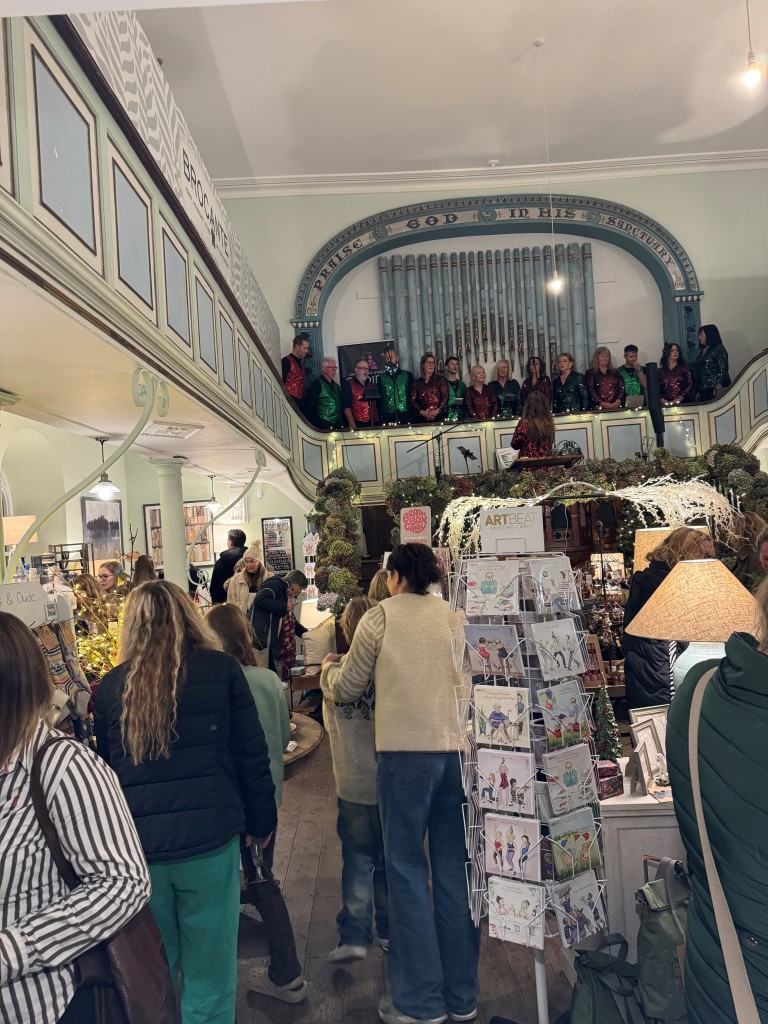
(363, 876)
(434, 946)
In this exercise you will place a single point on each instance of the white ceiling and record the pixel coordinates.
(297, 91)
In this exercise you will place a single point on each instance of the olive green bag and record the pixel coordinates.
(661, 942)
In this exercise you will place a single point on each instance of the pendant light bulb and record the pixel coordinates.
(104, 489)
(754, 73)
(213, 506)
(555, 284)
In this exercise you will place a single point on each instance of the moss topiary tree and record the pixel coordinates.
(336, 516)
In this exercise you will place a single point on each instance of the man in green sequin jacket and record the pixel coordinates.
(324, 398)
(395, 385)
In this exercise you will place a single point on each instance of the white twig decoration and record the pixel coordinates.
(663, 501)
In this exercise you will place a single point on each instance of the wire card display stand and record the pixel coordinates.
(531, 817)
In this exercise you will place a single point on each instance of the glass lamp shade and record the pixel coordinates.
(14, 528)
(700, 601)
(104, 488)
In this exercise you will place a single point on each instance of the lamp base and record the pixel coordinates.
(694, 654)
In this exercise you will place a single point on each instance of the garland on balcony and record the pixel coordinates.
(337, 519)
(726, 467)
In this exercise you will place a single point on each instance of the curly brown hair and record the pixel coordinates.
(682, 545)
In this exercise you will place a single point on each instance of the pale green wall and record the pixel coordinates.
(718, 217)
(41, 463)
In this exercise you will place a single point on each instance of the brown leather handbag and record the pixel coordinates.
(128, 973)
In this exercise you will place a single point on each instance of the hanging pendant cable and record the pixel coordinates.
(555, 283)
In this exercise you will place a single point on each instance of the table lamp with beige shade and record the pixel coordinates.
(700, 602)
(649, 538)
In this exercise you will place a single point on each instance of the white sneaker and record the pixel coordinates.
(390, 1014)
(294, 992)
(345, 953)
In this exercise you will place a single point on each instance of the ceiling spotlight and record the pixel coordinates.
(754, 72)
(213, 506)
(104, 489)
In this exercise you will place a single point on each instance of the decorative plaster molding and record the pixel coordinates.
(527, 176)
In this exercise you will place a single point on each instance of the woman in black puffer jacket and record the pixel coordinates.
(648, 663)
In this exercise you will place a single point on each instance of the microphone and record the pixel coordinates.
(467, 453)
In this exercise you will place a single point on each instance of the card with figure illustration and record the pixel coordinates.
(516, 912)
(492, 586)
(502, 716)
(512, 847)
(495, 652)
(559, 648)
(505, 781)
(552, 584)
(579, 908)
(565, 714)
(574, 843)
(570, 778)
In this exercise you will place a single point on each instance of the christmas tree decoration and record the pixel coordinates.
(607, 736)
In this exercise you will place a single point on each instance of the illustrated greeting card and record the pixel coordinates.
(570, 778)
(505, 780)
(492, 586)
(565, 714)
(560, 651)
(574, 843)
(579, 908)
(501, 715)
(554, 587)
(494, 652)
(516, 912)
(512, 847)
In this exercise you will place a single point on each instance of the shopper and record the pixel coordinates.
(648, 663)
(405, 644)
(363, 875)
(177, 722)
(507, 391)
(731, 738)
(711, 367)
(270, 604)
(44, 926)
(569, 389)
(143, 571)
(91, 616)
(241, 588)
(479, 399)
(604, 385)
(378, 590)
(535, 433)
(283, 978)
(108, 576)
(536, 380)
(224, 567)
(742, 540)
(675, 377)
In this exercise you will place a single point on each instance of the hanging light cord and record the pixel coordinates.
(540, 45)
(749, 27)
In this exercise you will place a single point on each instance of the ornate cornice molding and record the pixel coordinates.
(528, 176)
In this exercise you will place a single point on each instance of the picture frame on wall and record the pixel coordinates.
(103, 528)
(277, 541)
(195, 515)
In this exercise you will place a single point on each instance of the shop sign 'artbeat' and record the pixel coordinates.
(511, 529)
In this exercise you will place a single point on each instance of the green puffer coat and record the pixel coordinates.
(733, 770)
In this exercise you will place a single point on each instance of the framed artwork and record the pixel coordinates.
(195, 515)
(595, 674)
(103, 527)
(277, 538)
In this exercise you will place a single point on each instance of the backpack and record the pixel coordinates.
(606, 986)
(661, 942)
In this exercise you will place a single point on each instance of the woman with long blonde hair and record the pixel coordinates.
(605, 386)
(648, 663)
(742, 540)
(177, 723)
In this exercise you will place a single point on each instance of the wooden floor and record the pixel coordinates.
(308, 861)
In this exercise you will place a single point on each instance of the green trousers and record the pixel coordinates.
(196, 903)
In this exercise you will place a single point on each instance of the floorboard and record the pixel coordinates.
(308, 860)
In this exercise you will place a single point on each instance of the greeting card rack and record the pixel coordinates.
(532, 817)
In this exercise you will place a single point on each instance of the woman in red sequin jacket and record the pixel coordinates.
(535, 433)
